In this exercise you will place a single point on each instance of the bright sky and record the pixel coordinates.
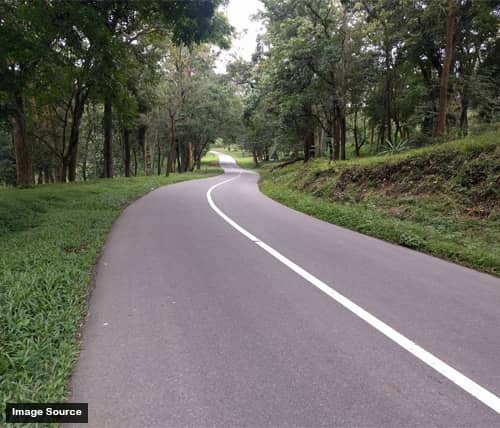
(239, 13)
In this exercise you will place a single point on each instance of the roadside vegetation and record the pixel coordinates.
(443, 200)
(50, 238)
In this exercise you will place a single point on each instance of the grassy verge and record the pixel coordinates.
(51, 236)
(443, 200)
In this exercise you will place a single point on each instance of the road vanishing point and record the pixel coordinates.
(215, 306)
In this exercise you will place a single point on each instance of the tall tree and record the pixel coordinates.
(440, 132)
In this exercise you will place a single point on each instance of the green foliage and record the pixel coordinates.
(397, 146)
(56, 57)
(50, 238)
(375, 64)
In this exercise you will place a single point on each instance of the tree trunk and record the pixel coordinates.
(464, 122)
(355, 132)
(336, 139)
(152, 153)
(254, 155)
(135, 162)
(74, 138)
(85, 156)
(63, 171)
(24, 155)
(443, 85)
(141, 140)
(159, 158)
(388, 92)
(308, 144)
(191, 155)
(342, 136)
(126, 149)
(330, 147)
(170, 154)
(178, 157)
(73, 154)
(108, 136)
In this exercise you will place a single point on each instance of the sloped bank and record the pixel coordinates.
(443, 199)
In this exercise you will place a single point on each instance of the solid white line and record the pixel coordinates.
(467, 384)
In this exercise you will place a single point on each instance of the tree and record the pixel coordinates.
(26, 31)
(443, 86)
(88, 46)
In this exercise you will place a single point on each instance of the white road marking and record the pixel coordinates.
(467, 384)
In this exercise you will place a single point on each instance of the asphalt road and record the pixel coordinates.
(193, 322)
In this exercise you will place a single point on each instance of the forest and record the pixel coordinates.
(100, 89)
(342, 78)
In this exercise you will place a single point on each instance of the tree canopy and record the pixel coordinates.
(380, 74)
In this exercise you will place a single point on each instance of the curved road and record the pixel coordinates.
(215, 306)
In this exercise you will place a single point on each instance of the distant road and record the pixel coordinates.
(215, 306)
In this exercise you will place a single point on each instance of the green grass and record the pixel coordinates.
(210, 160)
(443, 199)
(243, 158)
(50, 238)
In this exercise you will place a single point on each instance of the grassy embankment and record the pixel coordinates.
(443, 199)
(51, 236)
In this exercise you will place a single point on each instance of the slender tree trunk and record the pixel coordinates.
(94, 153)
(355, 132)
(135, 162)
(126, 149)
(388, 91)
(63, 171)
(345, 45)
(24, 155)
(141, 139)
(464, 122)
(73, 144)
(254, 155)
(46, 175)
(190, 156)
(336, 139)
(343, 131)
(86, 154)
(152, 153)
(170, 154)
(178, 157)
(443, 85)
(108, 137)
(309, 133)
(159, 158)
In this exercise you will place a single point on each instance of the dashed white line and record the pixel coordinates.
(467, 384)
